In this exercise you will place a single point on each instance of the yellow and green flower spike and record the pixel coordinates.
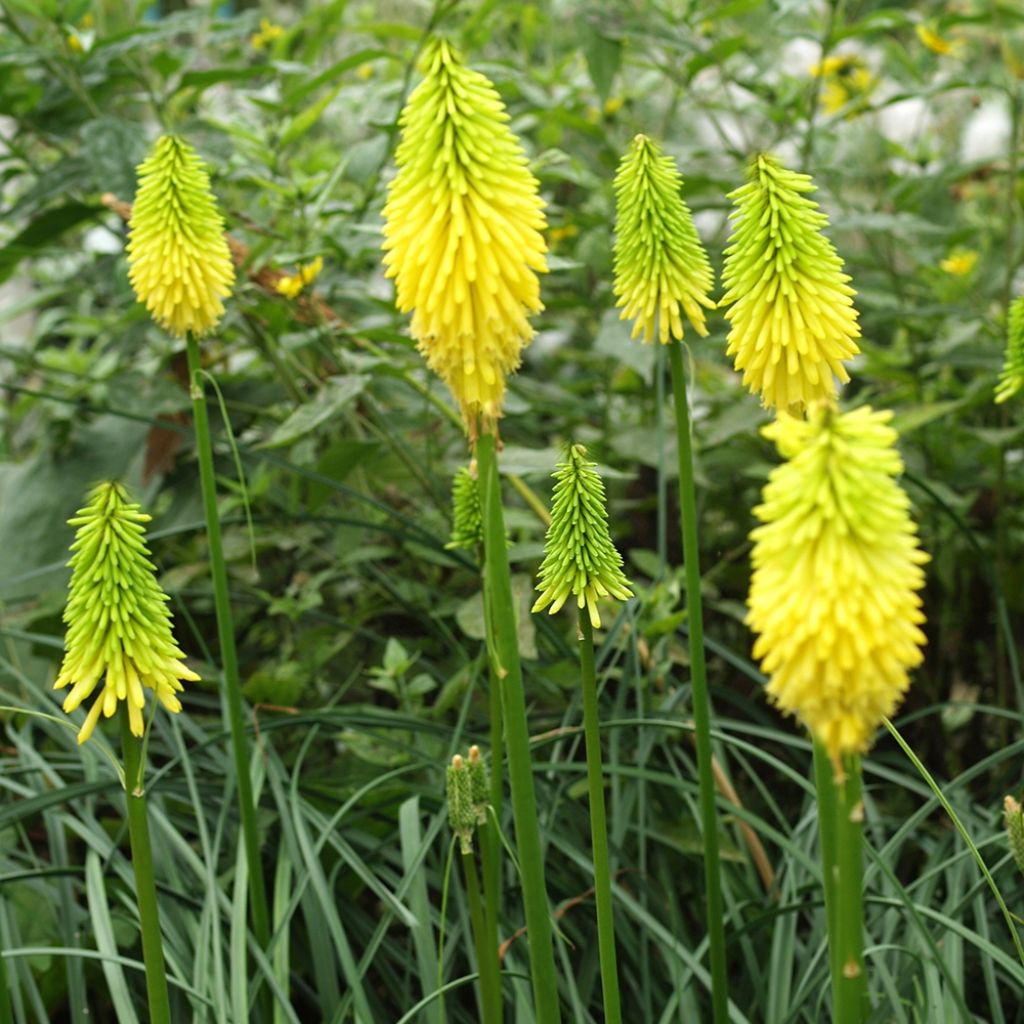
(1013, 819)
(462, 815)
(793, 322)
(580, 559)
(467, 512)
(661, 268)
(836, 574)
(119, 628)
(1011, 379)
(178, 257)
(462, 233)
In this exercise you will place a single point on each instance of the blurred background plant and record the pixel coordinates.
(359, 632)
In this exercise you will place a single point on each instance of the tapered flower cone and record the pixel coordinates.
(178, 257)
(119, 628)
(661, 269)
(790, 304)
(580, 558)
(1011, 379)
(462, 233)
(837, 569)
(467, 513)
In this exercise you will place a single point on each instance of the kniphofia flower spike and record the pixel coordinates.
(119, 628)
(462, 233)
(580, 558)
(790, 304)
(837, 569)
(661, 268)
(178, 257)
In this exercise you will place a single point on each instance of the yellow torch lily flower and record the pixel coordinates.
(580, 558)
(790, 304)
(661, 268)
(178, 258)
(462, 233)
(1011, 379)
(119, 628)
(836, 574)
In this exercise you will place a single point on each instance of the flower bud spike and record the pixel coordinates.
(178, 257)
(1013, 818)
(467, 512)
(1011, 379)
(790, 304)
(462, 233)
(462, 817)
(579, 556)
(480, 784)
(119, 628)
(836, 573)
(661, 268)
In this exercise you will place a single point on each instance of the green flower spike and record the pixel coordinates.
(462, 816)
(1011, 380)
(467, 512)
(119, 628)
(1013, 817)
(580, 558)
(791, 307)
(178, 257)
(480, 785)
(661, 268)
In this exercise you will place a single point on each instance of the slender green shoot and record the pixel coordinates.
(964, 834)
(701, 700)
(598, 826)
(229, 656)
(486, 955)
(504, 648)
(823, 775)
(850, 993)
(145, 883)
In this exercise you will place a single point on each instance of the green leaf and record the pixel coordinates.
(335, 395)
(45, 228)
(304, 121)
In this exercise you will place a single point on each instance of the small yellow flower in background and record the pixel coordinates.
(836, 574)
(119, 628)
(960, 262)
(365, 71)
(1011, 379)
(580, 558)
(790, 304)
(937, 43)
(845, 78)
(556, 235)
(267, 34)
(178, 258)
(462, 233)
(292, 285)
(613, 105)
(75, 42)
(661, 269)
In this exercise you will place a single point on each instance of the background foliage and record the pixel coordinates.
(359, 633)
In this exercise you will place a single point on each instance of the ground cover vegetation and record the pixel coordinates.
(510, 512)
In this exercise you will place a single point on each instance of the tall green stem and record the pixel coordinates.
(145, 884)
(229, 656)
(6, 1013)
(504, 646)
(846, 920)
(827, 831)
(486, 954)
(598, 827)
(701, 701)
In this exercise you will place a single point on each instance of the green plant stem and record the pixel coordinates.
(827, 830)
(701, 700)
(229, 656)
(850, 997)
(6, 1013)
(598, 827)
(486, 954)
(145, 884)
(504, 647)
